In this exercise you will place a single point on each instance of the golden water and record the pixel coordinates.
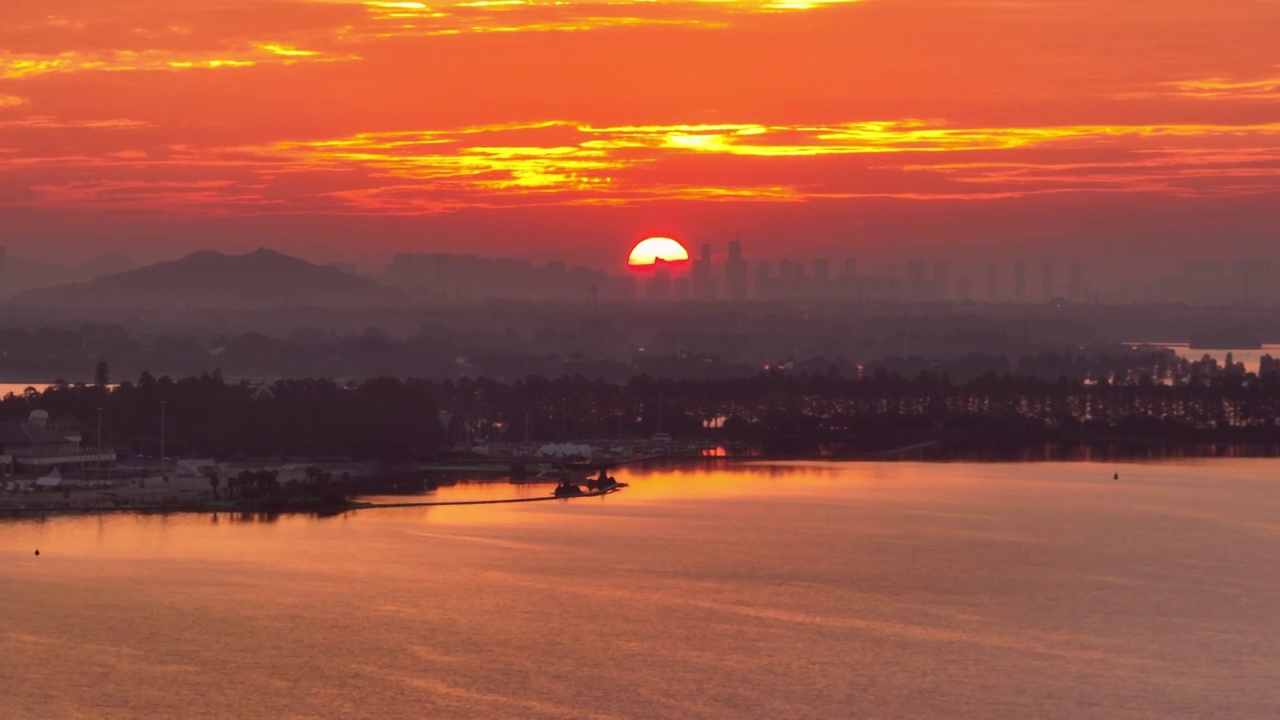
(757, 591)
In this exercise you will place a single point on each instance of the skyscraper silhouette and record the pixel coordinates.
(764, 283)
(941, 281)
(821, 286)
(916, 280)
(735, 273)
(704, 282)
(659, 288)
(1075, 286)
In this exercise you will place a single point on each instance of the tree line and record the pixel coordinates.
(395, 420)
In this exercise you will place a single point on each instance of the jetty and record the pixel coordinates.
(501, 501)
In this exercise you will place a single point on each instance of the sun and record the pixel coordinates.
(647, 252)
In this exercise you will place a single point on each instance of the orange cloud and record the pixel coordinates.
(13, 66)
(564, 163)
(1220, 88)
(48, 122)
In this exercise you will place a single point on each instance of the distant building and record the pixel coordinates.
(735, 273)
(821, 287)
(704, 282)
(822, 269)
(941, 281)
(448, 277)
(33, 448)
(682, 289)
(916, 283)
(1020, 282)
(764, 283)
(659, 288)
(1047, 288)
(783, 289)
(1076, 291)
(1254, 277)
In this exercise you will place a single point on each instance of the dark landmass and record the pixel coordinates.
(261, 279)
(511, 341)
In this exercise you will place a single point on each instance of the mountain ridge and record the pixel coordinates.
(263, 278)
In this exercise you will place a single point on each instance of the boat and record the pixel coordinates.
(567, 490)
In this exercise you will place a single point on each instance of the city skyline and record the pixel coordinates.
(731, 272)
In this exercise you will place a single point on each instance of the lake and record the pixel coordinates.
(1251, 358)
(7, 389)
(785, 590)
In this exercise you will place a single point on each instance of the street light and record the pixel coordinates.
(163, 405)
(99, 443)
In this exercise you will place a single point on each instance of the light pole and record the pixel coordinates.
(163, 405)
(99, 444)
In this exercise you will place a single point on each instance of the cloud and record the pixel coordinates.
(15, 66)
(1222, 88)
(47, 122)
(563, 163)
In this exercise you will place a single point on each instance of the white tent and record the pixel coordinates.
(565, 450)
(53, 479)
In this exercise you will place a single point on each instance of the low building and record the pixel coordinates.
(33, 448)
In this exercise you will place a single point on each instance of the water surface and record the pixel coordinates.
(879, 590)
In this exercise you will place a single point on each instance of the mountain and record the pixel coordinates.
(19, 274)
(209, 279)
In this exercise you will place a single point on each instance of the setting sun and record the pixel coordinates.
(649, 251)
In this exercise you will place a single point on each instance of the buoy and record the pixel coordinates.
(37, 552)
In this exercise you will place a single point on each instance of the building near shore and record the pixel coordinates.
(34, 448)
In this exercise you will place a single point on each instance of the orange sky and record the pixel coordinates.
(573, 128)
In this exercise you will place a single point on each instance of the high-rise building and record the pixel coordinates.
(786, 280)
(941, 281)
(682, 289)
(1204, 282)
(704, 282)
(849, 287)
(659, 287)
(1075, 285)
(1020, 282)
(735, 273)
(1254, 276)
(916, 280)
(764, 283)
(821, 286)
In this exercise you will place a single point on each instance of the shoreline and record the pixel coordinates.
(326, 510)
(934, 451)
